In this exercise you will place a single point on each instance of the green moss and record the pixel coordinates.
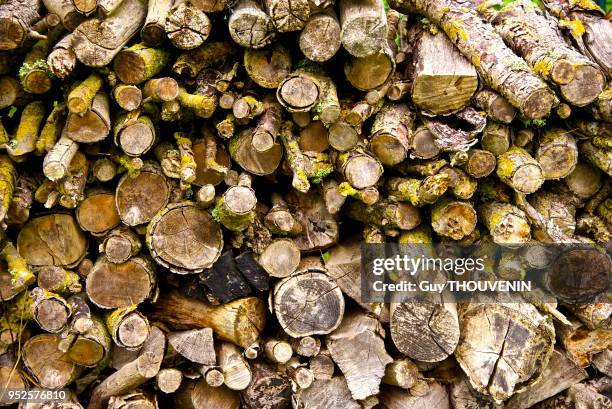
(537, 123)
(215, 214)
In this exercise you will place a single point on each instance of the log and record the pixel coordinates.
(281, 258)
(240, 321)
(224, 280)
(364, 27)
(93, 126)
(390, 134)
(168, 380)
(320, 228)
(121, 244)
(134, 133)
(128, 327)
(138, 63)
(267, 390)
(499, 67)
(16, 20)
(153, 32)
(454, 219)
(186, 26)
(269, 66)
(91, 347)
(496, 106)
(49, 366)
(250, 26)
(395, 398)
(557, 153)
(507, 223)
(236, 372)
(197, 394)
(196, 345)
(97, 214)
(320, 37)
(96, 42)
(328, 394)
(519, 170)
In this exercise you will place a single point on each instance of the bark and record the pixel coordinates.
(153, 31)
(93, 126)
(320, 313)
(134, 133)
(152, 190)
(62, 58)
(386, 214)
(496, 106)
(240, 321)
(81, 97)
(96, 42)
(133, 374)
(186, 26)
(252, 271)
(390, 134)
(120, 285)
(497, 138)
(224, 280)
(419, 192)
(195, 345)
(499, 67)
(597, 157)
(519, 170)
(320, 37)
(195, 247)
(16, 20)
(139, 62)
(507, 223)
(444, 81)
(190, 63)
(128, 327)
(364, 27)
(27, 131)
(453, 218)
(250, 26)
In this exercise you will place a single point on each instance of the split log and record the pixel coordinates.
(327, 394)
(140, 197)
(320, 37)
(236, 372)
(364, 27)
(499, 67)
(112, 285)
(133, 374)
(93, 126)
(184, 238)
(240, 321)
(96, 42)
(358, 348)
(504, 347)
(444, 81)
(319, 312)
(196, 345)
(250, 26)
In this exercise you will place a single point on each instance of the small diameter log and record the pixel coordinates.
(120, 285)
(81, 97)
(139, 198)
(52, 240)
(320, 37)
(444, 81)
(322, 367)
(250, 26)
(279, 219)
(212, 160)
(195, 246)
(423, 144)
(10, 91)
(557, 153)
(499, 67)
(288, 15)
(62, 58)
(328, 394)
(496, 106)
(507, 223)
(240, 321)
(269, 66)
(402, 373)
(364, 27)
(16, 20)
(358, 347)
(247, 107)
(90, 347)
(93, 126)
(314, 137)
(390, 133)
(51, 130)
(49, 366)
(97, 214)
(8, 180)
(10, 379)
(224, 280)
(161, 89)
(186, 26)
(318, 313)
(497, 138)
(49, 310)
(96, 42)
(196, 345)
(258, 163)
(278, 351)
(132, 374)
(267, 390)
(559, 374)
(281, 258)
(128, 327)
(453, 218)
(202, 106)
(386, 214)
(419, 192)
(134, 133)
(58, 280)
(533, 36)
(480, 163)
(65, 10)
(34, 74)
(27, 131)
(128, 97)
(139, 62)
(168, 380)
(504, 347)
(457, 132)
(236, 371)
(320, 228)
(519, 170)
(235, 208)
(197, 394)
(57, 160)
(121, 244)
(359, 168)
(598, 157)
(153, 31)
(306, 346)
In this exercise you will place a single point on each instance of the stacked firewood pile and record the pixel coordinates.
(185, 186)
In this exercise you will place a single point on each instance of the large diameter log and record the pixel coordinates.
(240, 321)
(96, 42)
(16, 20)
(49, 366)
(499, 67)
(357, 346)
(184, 238)
(197, 394)
(54, 239)
(535, 37)
(320, 37)
(364, 26)
(267, 390)
(320, 228)
(288, 15)
(436, 396)
(504, 347)
(98, 214)
(250, 26)
(112, 285)
(186, 26)
(328, 394)
(444, 81)
(268, 67)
